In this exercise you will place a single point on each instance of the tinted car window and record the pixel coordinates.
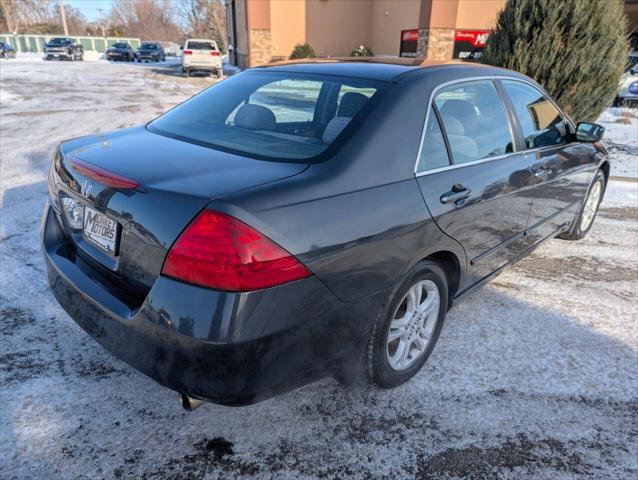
(289, 100)
(60, 41)
(542, 123)
(474, 120)
(433, 152)
(200, 45)
(149, 46)
(120, 45)
(268, 115)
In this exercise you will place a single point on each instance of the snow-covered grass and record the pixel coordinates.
(534, 375)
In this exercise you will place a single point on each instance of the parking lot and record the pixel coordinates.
(534, 375)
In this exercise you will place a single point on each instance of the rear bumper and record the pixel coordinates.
(228, 348)
(201, 66)
(58, 54)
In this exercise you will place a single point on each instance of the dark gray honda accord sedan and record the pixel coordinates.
(310, 219)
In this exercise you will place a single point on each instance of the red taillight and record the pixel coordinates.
(101, 175)
(188, 52)
(214, 53)
(221, 252)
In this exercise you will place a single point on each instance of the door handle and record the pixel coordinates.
(458, 192)
(542, 172)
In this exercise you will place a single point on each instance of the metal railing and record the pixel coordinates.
(26, 42)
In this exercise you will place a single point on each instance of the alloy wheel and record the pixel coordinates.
(412, 325)
(591, 205)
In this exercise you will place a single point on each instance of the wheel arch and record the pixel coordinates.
(606, 168)
(451, 265)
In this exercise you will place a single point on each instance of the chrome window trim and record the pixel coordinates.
(420, 173)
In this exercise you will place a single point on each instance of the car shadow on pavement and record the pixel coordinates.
(517, 381)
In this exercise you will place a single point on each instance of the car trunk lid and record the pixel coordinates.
(171, 182)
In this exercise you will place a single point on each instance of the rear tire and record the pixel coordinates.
(583, 223)
(405, 334)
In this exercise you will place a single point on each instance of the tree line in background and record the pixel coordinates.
(161, 20)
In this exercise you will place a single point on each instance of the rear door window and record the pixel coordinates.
(433, 151)
(474, 120)
(541, 122)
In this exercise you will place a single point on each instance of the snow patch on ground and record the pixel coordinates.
(534, 375)
(621, 139)
(7, 98)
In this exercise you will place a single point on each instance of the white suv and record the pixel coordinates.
(201, 55)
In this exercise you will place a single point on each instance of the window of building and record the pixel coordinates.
(542, 123)
(474, 120)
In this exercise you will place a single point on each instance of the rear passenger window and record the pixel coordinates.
(433, 152)
(474, 120)
(540, 120)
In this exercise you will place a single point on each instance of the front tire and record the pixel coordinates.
(588, 210)
(404, 336)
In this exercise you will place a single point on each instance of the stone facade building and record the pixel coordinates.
(261, 31)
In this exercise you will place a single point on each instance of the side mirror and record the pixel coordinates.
(589, 132)
(181, 48)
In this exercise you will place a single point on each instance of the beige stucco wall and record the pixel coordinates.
(258, 15)
(478, 14)
(439, 13)
(389, 17)
(335, 27)
(288, 23)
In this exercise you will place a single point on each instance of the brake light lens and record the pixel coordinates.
(101, 175)
(218, 251)
(214, 53)
(188, 52)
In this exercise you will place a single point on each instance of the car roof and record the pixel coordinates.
(378, 68)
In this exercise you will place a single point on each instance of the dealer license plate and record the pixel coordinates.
(100, 229)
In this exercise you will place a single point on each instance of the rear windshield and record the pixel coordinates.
(60, 41)
(192, 45)
(269, 115)
(148, 46)
(120, 45)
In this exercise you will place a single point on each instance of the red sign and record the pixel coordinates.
(409, 41)
(410, 35)
(476, 37)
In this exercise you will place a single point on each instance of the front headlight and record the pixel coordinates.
(73, 211)
(633, 87)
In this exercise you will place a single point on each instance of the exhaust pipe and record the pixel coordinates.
(189, 403)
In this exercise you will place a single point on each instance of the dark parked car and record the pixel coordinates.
(120, 51)
(150, 52)
(7, 51)
(63, 48)
(321, 219)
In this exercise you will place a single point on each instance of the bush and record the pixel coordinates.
(576, 49)
(302, 50)
(362, 51)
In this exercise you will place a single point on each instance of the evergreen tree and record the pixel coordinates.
(576, 49)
